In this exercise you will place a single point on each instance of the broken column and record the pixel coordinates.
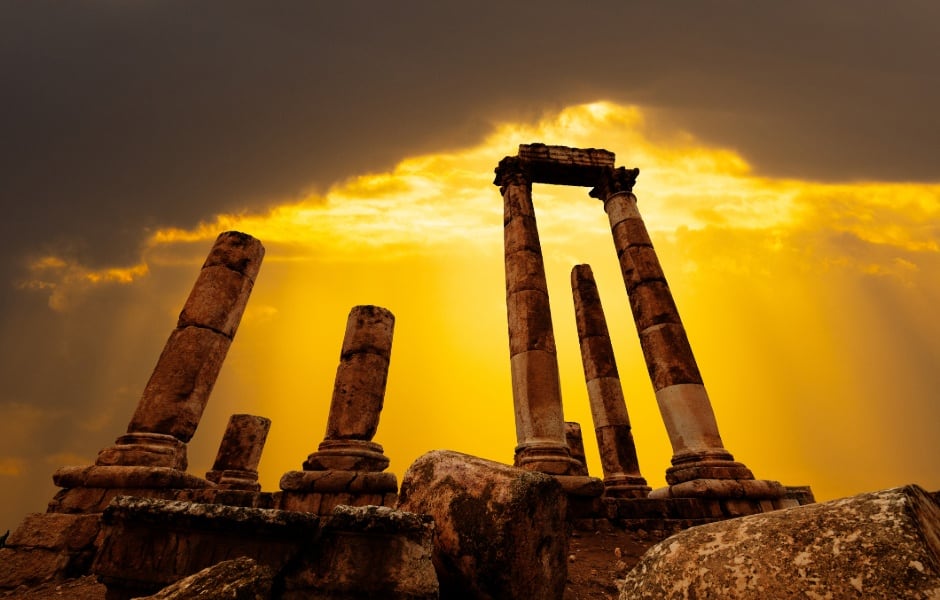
(622, 477)
(540, 423)
(348, 466)
(699, 458)
(152, 454)
(236, 464)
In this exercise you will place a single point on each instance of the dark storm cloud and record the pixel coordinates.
(122, 115)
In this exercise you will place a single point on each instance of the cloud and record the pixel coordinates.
(11, 467)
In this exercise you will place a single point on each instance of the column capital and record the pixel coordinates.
(615, 181)
(511, 170)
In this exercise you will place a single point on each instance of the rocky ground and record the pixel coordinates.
(596, 562)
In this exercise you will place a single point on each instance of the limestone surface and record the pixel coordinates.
(239, 579)
(500, 530)
(882, 544)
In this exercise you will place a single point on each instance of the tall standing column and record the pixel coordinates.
(540, 423)
(176, 394)
(698, 452)
(608, 408)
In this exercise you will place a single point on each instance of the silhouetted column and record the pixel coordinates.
(540, 423)
(176, 394)
(608, 408)
(698, 451)
(358, 395)
(236, 464)
(348, 467)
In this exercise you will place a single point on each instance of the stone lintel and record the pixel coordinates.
(562, 165)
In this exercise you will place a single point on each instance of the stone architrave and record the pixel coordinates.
(348, 466)
(883, 544)
(236, 464)
(622, 476)
(540, 423)
(698, 452)
(152, 454)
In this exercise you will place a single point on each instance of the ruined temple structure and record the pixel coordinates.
(702, 469)
(460, 526)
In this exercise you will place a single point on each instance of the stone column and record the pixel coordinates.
(575, 441)
(698, 452)
(150, 459)
(540, 423)
(236, 464)
(347, 466)
(608, 408)
(178, 390)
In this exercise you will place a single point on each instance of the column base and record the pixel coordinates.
(626, 486)
(144, 449)
(234, 479)
(548, 458)
(347, 455)
(710, 464)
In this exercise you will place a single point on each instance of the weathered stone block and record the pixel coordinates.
(878, 545)
(178, 390)
(238, 579)
(236, 251)
(668, 354)
(500, 530)
(652, 304)
(630, 232)
(358, 397)
(31, 566)
(369, 330)
(217, 301)
(524, 271)
(367, 552)
(520, 234)
(55, 531)
(149, 544)
(530, 321)
(598, 358)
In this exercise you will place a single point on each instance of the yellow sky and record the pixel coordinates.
(810, 306)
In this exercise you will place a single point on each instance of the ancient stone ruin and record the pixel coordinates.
(462, 526)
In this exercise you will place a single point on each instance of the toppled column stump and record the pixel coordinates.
(367, 552)
(878, 545)
(501, 530)
(236, 464)
(348, 467)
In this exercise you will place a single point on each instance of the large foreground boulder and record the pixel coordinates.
(878, 545)
(500, 531)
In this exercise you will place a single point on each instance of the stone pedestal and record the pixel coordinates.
(348, 466)
(622, 478)
(540, 429)
(236, 464)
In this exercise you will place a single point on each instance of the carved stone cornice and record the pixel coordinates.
(511, 170)
(615, 181)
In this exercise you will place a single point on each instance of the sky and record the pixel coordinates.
(788, 177)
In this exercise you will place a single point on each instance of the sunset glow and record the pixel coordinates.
(783, 286)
